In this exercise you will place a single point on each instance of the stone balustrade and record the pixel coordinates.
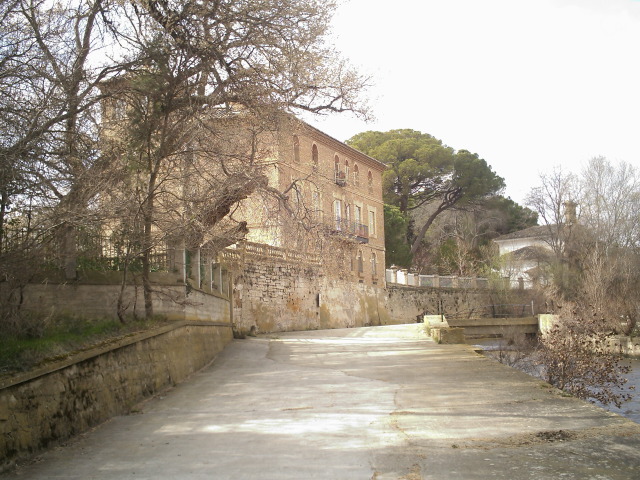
(401, 276)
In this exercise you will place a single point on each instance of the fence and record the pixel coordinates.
(402, 277)
(94, 250)
(103, 252)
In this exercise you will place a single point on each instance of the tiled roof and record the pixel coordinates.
(530, 253)
(539, 231)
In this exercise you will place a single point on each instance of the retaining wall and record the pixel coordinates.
(176, 302)
(276, 296)
(49, 405)
(409, 304)
(624, 345)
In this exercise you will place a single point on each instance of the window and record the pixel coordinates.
(358, 218)
(337, 209)
(372, 222)
(360, 262)
(347, 213)
(346, 170)
(359, 228)
(339, 176)
(314, 156)
(296, 149)
(356, 175)
(374, 266)
(370, 181)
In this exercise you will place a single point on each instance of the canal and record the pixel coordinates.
(630, 409)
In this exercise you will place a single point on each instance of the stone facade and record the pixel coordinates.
(272, 296)
(49, 405)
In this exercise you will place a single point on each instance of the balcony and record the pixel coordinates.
(341, 178)
(350, 229)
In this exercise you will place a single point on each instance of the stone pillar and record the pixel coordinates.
(388, 275)
(195, 268)
(403, 275)
(180, 261)
(207, 273)
(217, 277)
(393, 274)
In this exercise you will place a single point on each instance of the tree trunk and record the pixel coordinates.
(147, 241)
(420, 236)
(4, 202)
(147, 245)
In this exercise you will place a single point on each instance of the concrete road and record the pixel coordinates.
(368, 403)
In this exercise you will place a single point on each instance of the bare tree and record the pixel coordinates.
(610, 200)
(593, 289)
(166, 72)
(50, 105)
(575, 357)
(557, 190)
(202, 109)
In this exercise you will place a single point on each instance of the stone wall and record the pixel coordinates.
(274, 296)
(409, 304)
(44, 407)
(624, 345)
(176, 302)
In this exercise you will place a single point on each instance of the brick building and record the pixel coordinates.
(334, 204)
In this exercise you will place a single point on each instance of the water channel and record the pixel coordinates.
(630, 409)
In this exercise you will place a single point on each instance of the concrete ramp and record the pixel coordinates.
(356, 404)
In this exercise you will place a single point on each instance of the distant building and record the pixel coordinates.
(527, 254)
(273, 214)
(524, 255)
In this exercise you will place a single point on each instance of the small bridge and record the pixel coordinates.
(490, 320)
(495, 327)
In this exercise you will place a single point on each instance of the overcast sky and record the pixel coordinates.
(526, 84)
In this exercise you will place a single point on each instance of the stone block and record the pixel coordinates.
(448, 335)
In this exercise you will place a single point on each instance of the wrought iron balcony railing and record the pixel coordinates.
(341, 178)
(352, 229)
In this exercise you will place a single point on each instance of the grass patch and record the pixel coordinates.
(60, 337)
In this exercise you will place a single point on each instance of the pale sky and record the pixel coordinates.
(525, 84)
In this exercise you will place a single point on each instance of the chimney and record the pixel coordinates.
(570, 217)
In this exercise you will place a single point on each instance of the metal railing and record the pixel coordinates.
(94, 251)
(350, 228)
(340, 178)
(494, 311)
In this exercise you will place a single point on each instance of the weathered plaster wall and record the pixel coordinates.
(276, 297)
(47, 406)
